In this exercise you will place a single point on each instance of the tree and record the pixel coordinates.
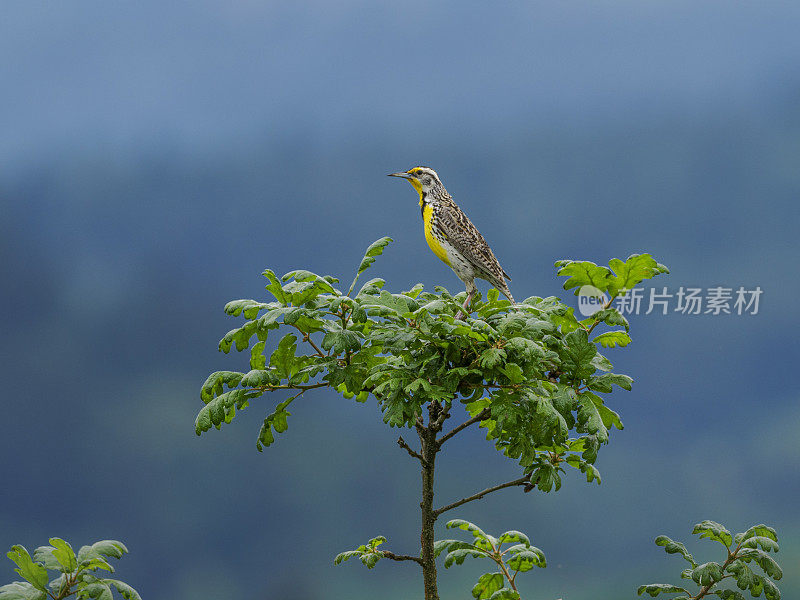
(530, 374)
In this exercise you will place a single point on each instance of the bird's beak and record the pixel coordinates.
(403, 175)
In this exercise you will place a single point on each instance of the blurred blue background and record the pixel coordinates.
(155, 157)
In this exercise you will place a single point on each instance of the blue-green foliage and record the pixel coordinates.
(743, 551)
(532, 371)
(76, 573)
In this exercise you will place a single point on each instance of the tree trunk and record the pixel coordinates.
(427, 436)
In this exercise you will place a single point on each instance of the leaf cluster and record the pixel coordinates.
(368, 553)
(615, 279)
(520, 556)
(77, 573)
(743, 551)
(531, 369)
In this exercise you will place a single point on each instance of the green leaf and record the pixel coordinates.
(611, 317)
(577, 355)
(488, 584)
(123, 588)
(588, 469)
(707, 573)
(276, 288)
(64, 554)
(21, 591)
(513, 537)
(375, 249)
(476, 531)
(545, 477)
(213, 386)
(634, 270)
(771, 591)
(763, 560)
(277, 420)
(92, 564)
(240, 336)
(457, 556)
(525, 349)
(97, 590)
(250, 308)
(714, 531)
(745, 578)
(601, 363)
(257, 358)
(603, 383)
(387, 304)
(764, 542)
(514, 372)
(612, 339)
(261, 378)
(345, 556)
(581, 273)
(341, 341)
(373, 286)
(33, 572)
(417, 385)
(672, 547)
(222, 409)
(45, 556)
(283, 358)
(492, 357)
(758, 530)
(101, 549)
(590, 418)
(448, 545)
(505, 594)
(654, 589)
(526, 559)
(729, 595)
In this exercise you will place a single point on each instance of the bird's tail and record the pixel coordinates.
(506, 292)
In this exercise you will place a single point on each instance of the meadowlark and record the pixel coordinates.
(453, 237)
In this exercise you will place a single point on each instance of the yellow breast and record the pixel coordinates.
(438, 249)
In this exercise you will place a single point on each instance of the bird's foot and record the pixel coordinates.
(464, 308)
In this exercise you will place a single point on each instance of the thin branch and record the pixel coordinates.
(307, 338)
(495, 386)
(393, 556)
(272, 388)
(477, 418)
(520, 481)
(402, 443)
(596, 323)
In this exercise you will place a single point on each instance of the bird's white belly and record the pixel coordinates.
(463, 268)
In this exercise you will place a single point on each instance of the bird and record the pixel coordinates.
(453, 237)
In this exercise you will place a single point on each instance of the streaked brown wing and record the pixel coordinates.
(469, 242)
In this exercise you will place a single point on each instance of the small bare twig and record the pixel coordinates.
(520, 481)
(484, 414)
(402, 443)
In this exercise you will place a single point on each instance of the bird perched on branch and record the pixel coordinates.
(453, 237)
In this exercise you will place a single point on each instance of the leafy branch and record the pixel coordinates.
(78, 574)
(751, 546)
(520, 557)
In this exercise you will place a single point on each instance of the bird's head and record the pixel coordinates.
(424, 179)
